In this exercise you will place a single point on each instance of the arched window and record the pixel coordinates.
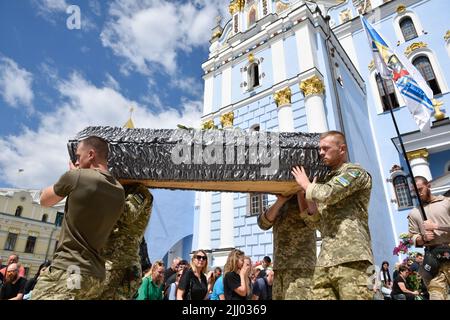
(402, 191)
(408, 28)
(423, 64)
(251, 17)
(44, 218)
(386, 96)
(253, 76)
(19, 210)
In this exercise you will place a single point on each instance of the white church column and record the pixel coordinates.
(285, 116)
(306, 47)
(313, 90)
(227, 200)
(208, 94)
(419, 163)
(204, 224)
(226, 220)
(278, 64)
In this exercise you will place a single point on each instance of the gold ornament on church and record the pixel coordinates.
(313, 85)
(447, 35)
(227, 120)
(415, 46)
(282, 97)
(417, 154)
(208, 125)
(280, 6)
(401, 8)
(236, 6)
(371, 65)
(438, 114)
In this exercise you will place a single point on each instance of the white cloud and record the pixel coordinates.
(42, 153)
(150, 33)
(189, 85)
(112, 83)
(15, 84)
(51, 5)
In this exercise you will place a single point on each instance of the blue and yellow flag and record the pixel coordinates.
(413, 88)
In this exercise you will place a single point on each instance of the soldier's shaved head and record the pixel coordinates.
(338, 136)
(333, 149)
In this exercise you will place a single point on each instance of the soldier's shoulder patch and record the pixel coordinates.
(355, 173)
(342, 181)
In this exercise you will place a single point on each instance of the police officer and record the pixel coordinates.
(435, 235)
(294, 248)
(123, 263)
(342, 200)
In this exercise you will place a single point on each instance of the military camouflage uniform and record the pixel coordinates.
(294, 252)
(57, 284)
(123, 267)
(346, 253)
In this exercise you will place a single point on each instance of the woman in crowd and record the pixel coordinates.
(399, 289)
(236, 276)
(193, 284)
(385, 279)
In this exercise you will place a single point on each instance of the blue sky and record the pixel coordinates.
(145, 54)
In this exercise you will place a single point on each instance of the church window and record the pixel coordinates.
(251, 17)
(423, 64)
(387, 96)
(408, 28)
(253, 75)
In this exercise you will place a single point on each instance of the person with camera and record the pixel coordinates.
(434, 234)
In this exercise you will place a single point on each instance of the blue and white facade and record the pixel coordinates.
(278, 66)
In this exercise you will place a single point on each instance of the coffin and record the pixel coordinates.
(210, 160)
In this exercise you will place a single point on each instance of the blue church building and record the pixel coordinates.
(306, 66)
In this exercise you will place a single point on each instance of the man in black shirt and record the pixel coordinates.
(14, 285)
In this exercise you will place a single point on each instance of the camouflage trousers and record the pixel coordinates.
(348, 281)
(286, 287)
(300, 289)
(118, 284)
(57, 284)
(438, 286)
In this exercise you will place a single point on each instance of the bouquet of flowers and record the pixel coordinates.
(405, 243)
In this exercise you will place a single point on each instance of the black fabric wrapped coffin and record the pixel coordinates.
(210, 160)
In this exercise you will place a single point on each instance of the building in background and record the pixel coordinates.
(28, 229)
(282, 66)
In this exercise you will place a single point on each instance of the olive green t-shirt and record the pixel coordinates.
(95, 201)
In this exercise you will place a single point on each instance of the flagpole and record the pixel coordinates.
(390, 106)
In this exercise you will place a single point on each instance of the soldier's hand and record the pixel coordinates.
(301, 178)
(428, 236)
(430, 225)
(72, 166)
(283, 199)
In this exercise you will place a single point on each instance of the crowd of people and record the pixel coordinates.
(13, 282)
(98, 252)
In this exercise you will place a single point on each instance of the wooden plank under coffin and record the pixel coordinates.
(258, 162)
